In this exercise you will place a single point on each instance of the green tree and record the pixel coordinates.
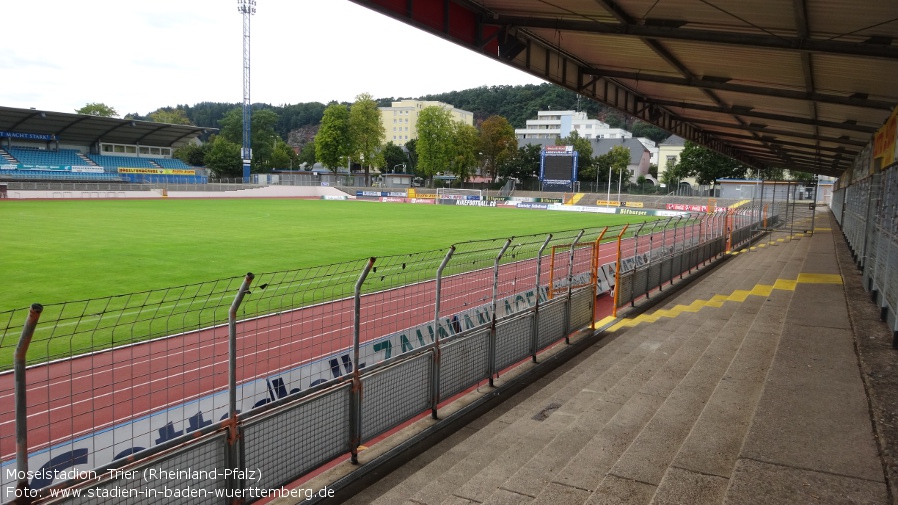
(307, 155)
(673, 174)
(801, 176)
(333, 142)
(366, 130)
(649, 131)
(193, 154)
(282, 155)
(434, 148)
(97, 109)
(465, 142)
(586, 168)
(620, 162)
(707, 166)
(393, 155)
(262, 124)
(524, 165)
(412, 147)
(223, 158)
(497, 144)
(170, 116)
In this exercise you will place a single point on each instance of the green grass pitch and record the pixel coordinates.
(55, 251)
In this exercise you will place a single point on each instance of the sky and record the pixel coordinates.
(58, 55)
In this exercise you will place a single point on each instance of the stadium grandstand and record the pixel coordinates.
(57, 146)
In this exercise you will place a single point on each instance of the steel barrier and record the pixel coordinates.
(867, 212)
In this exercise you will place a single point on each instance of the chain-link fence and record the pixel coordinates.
(282, 372)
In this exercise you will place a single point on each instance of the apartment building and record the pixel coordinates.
(553, 124)
(400, 120)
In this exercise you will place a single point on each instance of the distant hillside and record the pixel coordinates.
(516, 103)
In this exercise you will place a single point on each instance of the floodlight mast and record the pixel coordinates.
(247, 8)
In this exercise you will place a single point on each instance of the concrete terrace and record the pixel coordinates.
(768, 380)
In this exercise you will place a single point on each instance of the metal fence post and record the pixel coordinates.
(691, 242)
(680, 266)
(728, 226)
(570, 286)
(355, 403)
(437, 355)
(21, 404)
(666, 257)
(635, 261)
(534, 328)
(617, 273)
(233, 453)
(651, 256)
(594, 275)
(492, 345)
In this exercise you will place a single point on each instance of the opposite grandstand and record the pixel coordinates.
(53, 146)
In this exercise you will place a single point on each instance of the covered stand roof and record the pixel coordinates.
(800, 84)
(82, 129)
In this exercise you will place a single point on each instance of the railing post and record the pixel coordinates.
(437, 354)
(594, 275)
(691, 241)
(664, 244)
(21, 404)
(617, 273)
(355, 402)
(728, 223)
(492, 345)
(651, 255)
(635, 255)
(233, 452)
(534, 330)
(570, 285)
(680, 266)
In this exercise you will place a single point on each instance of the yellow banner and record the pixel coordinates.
(157, 171)
(637, 205)
(608, 203)
(884, 140)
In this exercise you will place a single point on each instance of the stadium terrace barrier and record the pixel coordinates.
(866, 212)
(236, 387)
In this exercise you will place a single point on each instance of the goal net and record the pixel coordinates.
(460, 194)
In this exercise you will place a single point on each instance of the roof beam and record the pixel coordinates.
(653, 31)
(773, 140)
(152, 131)
(761, 152)
(655, 45)
(709, 82)
(771, 131)
(741, 111)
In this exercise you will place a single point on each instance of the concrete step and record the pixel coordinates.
(704, 463)
(641, 389)
(811, 439)
(634, 478)
(585, 412)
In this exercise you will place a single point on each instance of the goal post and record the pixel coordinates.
(460, 194)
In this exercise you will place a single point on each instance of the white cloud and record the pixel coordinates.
(138, 56)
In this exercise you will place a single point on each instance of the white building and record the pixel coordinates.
(553, 124)
(400, 121)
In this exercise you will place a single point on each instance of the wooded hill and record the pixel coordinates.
(298, 123)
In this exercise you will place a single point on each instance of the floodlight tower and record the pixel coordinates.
(247, 8)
